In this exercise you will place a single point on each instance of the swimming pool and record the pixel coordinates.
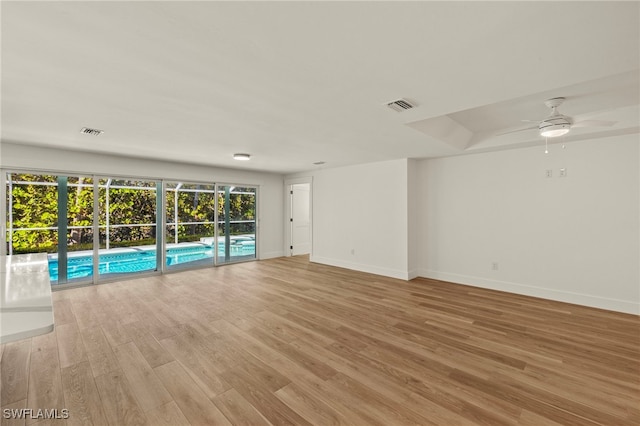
(138, 259)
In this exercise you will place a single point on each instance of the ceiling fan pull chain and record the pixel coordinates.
(546, 145)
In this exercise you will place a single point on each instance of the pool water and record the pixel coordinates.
(140, 259)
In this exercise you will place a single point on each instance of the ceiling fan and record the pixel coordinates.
(557, 124)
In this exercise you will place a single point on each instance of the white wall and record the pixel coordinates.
(573, 239)
(360, 217)
(413, 219)
(270, 197)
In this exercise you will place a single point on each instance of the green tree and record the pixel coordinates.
(34, 206)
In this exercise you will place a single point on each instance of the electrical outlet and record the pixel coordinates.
(563, 172)
(549, 173)
(353, 252)
(494, 266)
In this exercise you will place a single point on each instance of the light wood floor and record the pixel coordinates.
(284, 341)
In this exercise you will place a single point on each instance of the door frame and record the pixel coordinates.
(287, 211)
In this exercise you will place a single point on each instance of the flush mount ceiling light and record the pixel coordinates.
(242, 157)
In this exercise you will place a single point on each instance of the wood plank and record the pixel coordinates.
(263, 399)
(531, 419)
(367, 375)
(432, 386)
(267, 377)
(351, 410)
(547, 408)
(45, 380)
(149, 347)
(290, 330)
(245, 341)
(99, 353)
(118, 400)
(309, 407)
(84, 313)
(238, 410)
(123, 305)
(167, 415)
(14, 371)
(63, 312)
(115, 332)
(193, 403)
(198, 365)
(81, 396)
(148, 389)
(153, 324)
(71, 349)
(386, 410)
(308, 361)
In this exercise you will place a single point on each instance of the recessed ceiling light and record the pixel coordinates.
(241, 157)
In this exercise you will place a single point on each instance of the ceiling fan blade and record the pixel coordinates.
(517, 130)
(594, 123)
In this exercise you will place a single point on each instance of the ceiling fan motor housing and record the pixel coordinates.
(556, 124)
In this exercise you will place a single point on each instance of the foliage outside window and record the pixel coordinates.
(34, 217)
(32, 206)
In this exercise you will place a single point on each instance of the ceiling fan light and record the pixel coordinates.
(242, 157)
(555, 130)
(555, 125)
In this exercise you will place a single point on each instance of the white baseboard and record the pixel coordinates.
(541, 292)
(414, 273)
(386, 272)
(624, 306)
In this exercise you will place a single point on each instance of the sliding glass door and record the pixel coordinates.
(54, 215)
(77, 253)
(236, 223)
(128, 213)
(32, 213)
(98, 228)
(190, 224)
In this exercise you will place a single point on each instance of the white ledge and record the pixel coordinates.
(26, 307)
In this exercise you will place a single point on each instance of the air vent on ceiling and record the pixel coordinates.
(93, 132)
(400, 105)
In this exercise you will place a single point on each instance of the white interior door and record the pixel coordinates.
(300, 219)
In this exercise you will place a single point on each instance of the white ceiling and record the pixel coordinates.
(293, 83)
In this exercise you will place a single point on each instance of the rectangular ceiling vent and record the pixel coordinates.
(400, 105)
(93, 132)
